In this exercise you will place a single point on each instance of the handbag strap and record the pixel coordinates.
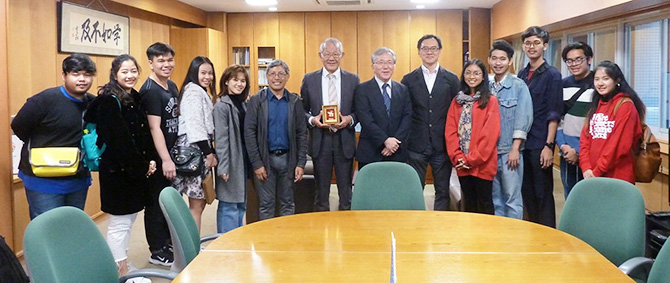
(575, 96)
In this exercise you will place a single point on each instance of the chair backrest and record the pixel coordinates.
(64, 245)
(387, 186)
(660, 271)
(607, 214)
(183, 230)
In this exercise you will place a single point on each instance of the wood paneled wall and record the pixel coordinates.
(297, 37)
(6, 219)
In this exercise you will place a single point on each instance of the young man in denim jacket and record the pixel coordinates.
(516, 117)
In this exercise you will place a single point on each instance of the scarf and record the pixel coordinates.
(465, 121)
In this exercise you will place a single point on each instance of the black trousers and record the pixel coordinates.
(441, 167)
(332, 155)
(155, 225)
(537, 189)
(477, 194)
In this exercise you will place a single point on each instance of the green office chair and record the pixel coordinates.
(607, 214)
(183, 230)
(387, 186)
(658, 270)
(64, 245)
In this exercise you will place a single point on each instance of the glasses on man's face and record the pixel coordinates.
(531, 44)
(475, 73)
(576, 61)
(334, 55)
(426, 49)
(384, 63)
(277, 75)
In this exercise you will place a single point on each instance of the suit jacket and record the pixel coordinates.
(376, 127)
(430, 109)
(229, 151)
(256, 131)
(311, 93)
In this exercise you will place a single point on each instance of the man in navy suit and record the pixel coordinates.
(432, 88)
(331, 145)
(384, 109)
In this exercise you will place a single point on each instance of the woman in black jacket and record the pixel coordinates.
(128, 159)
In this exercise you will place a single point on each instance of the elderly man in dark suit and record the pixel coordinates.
(331, 145)
(384, 109)
(431, 88)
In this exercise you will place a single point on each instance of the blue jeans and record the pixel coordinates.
(507, 199)
(229, 215)
(570, 175)
(39, 202)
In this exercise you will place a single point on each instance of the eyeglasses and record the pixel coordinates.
(576, 61)
(279, 75)
(531, 44)
(427, 49)
(385, 63)
(335, 55)
(475, 73)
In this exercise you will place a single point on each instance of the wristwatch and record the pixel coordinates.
(550, 145)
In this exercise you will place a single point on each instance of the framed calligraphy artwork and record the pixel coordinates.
(85, 30)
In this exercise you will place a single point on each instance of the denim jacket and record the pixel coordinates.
(516, 111)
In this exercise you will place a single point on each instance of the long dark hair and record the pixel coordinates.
(613, 71)
(482, 88)
(192, 77)
(230, 73)
(113, 87)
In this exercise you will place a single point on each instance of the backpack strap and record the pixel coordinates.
(618, 104)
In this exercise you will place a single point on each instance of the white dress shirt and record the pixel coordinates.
(429, 77)
(325, 81)
(381, 83)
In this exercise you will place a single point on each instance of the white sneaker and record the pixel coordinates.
(138, 280)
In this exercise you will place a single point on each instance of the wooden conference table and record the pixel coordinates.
(355, 246)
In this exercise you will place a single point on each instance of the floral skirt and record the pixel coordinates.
(191, 186)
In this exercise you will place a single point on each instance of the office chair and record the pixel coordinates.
(607, 214)
(387, 186)
(183, 230)
(65, 245)
(658, 270)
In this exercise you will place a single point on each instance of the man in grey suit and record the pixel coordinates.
(431, 88)
(331, 145)
(276, 140)
(384, 109)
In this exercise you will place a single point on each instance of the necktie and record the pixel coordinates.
(387, 100)
(332, 91)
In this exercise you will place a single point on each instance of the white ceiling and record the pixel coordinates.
(238, 6)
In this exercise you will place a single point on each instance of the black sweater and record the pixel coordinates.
(50, 119)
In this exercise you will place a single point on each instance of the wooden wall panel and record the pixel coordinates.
(317, 29)
(266, 29)
(6, 206)
(420, 24)
(370, 37)
(343, 28)
(450, 30)
(396, 37)
(170, 8)
(292, 47)
(188, 44)
(216, 50)
(240, 31)
(480, 34)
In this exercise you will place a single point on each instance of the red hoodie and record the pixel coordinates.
(606, 143)
(483, 154)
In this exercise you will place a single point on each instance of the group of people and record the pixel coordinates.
(497, 131)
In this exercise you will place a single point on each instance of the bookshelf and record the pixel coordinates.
(266, 54)
(242, 56)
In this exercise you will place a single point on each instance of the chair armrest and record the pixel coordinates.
(637, 265)
(209, 237)
(149, 272)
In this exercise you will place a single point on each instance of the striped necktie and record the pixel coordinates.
(387, 99)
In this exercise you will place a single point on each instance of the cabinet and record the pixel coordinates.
(241, 55)
(265, 55)
(191, 42)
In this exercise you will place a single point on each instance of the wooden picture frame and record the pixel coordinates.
(84, 30)
(330, 114)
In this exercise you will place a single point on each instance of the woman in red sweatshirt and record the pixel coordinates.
(614, 127)
(471, 133)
